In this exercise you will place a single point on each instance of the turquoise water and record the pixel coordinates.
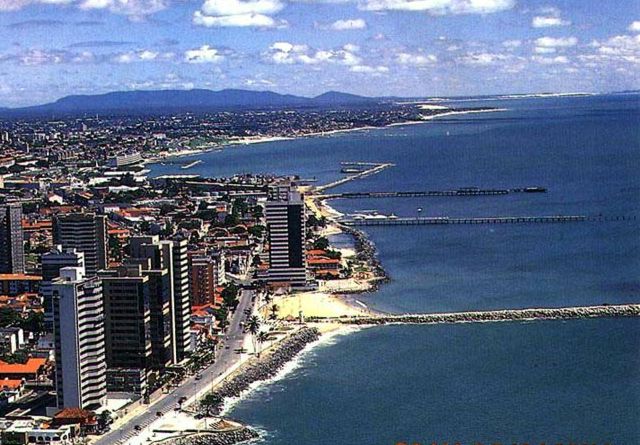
(515, 382)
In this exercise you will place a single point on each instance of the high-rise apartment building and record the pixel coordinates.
(286, 226)
(206, 273)
(11, 239)
(170, 255)
(128, 324)
(181, 299)
(87, 233)
(79, 340)
(52, 263)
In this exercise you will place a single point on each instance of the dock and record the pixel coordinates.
(425, 221)
(462, 192)
(369, 169)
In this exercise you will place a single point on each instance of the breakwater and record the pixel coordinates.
(366, 251)
(264, 368)
(213, 438)
(564, 313)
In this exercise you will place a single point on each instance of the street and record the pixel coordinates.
(226, 358)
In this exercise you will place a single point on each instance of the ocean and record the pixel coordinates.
(552, 382)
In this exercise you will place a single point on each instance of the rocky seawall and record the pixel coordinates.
(366, 251)
(565, 313)
(263, 369)
(217, 438)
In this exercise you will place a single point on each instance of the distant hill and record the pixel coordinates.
(186, 100)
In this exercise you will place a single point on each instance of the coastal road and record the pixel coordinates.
(226, 358)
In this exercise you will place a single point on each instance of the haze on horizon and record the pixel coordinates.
(410, 48)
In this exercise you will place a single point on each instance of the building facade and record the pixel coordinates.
(52, 263)
(11, 239)
(128, 321)
(87, 233)
(286, 226)
(79, 340)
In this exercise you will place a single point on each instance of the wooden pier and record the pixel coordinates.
(463, 192)
(485, 220)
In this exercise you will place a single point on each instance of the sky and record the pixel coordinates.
(53, 48)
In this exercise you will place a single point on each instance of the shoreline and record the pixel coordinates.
(253, 140)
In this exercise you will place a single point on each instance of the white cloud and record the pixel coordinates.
(439, 7)
(142, 56)
(288, 54)
(547, 22)
(204, 54)
(239, 13)
(512, 43)
(560, 42)
(544, 50)
(349, 24)
(131, 8)
(482, 59)
(366, 69)
(549, 17)
(635, 26)
(623, 48)
(416, 59)
(13, 5)
(550, 60)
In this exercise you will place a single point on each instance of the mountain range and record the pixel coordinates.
(184, 100)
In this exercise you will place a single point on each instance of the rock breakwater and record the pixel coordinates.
(621, 310)
(215, 438)
(263, 369)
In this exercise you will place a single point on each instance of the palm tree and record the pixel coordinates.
(263, 337)
(253, 326)
(268, 298)
(274, 312)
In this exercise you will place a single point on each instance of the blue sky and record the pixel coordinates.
(52, 48)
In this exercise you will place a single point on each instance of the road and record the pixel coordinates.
(225, 359)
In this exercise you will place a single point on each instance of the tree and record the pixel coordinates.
(274, 312)
(8, 317)
(253, 327)
(321, 243)
(230, 295)
(104, 419)
(262, 338)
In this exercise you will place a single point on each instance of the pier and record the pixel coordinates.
(462, 192)
(425, 221)
(371, 168)
(563, 313)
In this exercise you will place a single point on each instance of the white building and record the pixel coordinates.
(81, 365)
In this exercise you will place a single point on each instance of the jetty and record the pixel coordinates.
(368, 169)
(191, 164)
(562, 313)
(423, 221)
(461, 192)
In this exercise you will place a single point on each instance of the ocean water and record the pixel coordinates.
(510, 382)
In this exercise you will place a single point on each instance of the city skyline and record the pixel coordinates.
(53, 48)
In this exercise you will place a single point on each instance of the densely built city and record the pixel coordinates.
(119, 290)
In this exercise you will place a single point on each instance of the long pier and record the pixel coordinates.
(563, 313)
(463, 192)
(373, 169)
(422, 221)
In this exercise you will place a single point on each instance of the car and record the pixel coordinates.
(199, 377)
(137, 427)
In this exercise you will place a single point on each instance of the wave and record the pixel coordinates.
(326, 339)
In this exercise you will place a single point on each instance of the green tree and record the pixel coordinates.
(321, 243)
(262, 338)
(253, 327)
